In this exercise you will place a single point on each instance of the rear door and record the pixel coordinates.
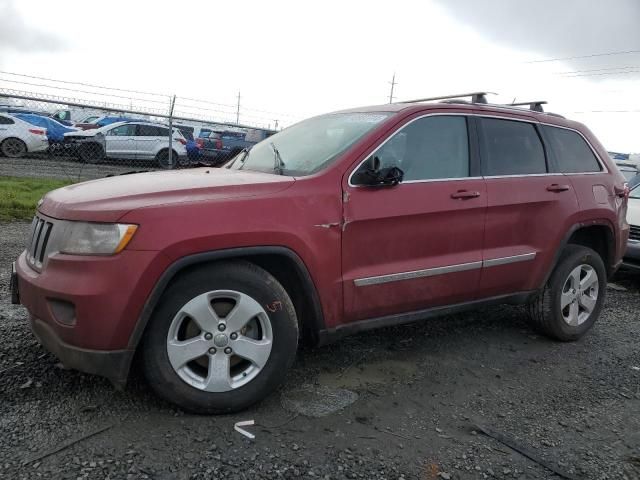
(418, 244)
(149, 140)
(120, 141)
(528, 206)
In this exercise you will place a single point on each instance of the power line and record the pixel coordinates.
(84, 84)
(623, 52)
(600, 74)
(606, 69)
(66, 89)
(607, 111)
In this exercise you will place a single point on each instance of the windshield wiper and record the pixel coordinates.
(278, 166)
(240, 156)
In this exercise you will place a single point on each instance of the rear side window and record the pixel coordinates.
(510, 148)
(6, 121)
(571, 153)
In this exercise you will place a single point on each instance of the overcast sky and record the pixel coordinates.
(292, 59)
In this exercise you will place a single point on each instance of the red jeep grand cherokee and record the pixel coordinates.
(341, 223)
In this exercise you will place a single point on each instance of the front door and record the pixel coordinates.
(417, 244)
(120, 141)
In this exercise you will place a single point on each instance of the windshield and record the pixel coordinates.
(310, 145)
(635, 192)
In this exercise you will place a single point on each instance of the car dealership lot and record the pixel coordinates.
(420, 388)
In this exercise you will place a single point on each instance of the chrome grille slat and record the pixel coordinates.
(634, 232)
(40, 240)
(34, 245)
(45, 240)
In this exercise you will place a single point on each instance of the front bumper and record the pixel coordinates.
(632, 255)
(112, 364)
(84, 309)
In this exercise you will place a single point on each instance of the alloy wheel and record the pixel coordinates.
(579, 295)
(219, 341)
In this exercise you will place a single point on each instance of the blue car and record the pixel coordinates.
(104, 121)
(55, 129)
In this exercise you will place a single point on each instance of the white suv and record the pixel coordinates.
(130, 141)
(17, 137)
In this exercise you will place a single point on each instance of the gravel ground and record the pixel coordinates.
(413, 395)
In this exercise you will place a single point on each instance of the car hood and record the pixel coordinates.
(633, 212)
(82, 133)
(108, 199)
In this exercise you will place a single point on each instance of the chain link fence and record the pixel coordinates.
(49, 136)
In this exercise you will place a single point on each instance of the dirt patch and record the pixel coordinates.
(365, 375)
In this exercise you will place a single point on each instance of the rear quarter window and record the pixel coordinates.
(6, 121)
(571, 154)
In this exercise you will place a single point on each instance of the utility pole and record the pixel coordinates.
(238, 110)
(393, 84)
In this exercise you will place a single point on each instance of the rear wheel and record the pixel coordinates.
(13, 148)
(572, 300)
(162, 158)
(221, 339)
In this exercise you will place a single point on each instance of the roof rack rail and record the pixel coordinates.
(476, 97)
(535, 106)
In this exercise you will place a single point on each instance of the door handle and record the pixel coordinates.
(554, 187)
(464, 194)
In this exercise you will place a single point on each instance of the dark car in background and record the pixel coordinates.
(211, 149)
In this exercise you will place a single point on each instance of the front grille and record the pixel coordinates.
(38, 241)
(634, 232)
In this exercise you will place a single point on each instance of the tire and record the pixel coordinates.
(162, 159)
(546, 310)
(13, 148)
(204, 385)
(90, 152)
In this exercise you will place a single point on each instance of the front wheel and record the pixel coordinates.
(91, 152)
(572, 299)
(222, 338)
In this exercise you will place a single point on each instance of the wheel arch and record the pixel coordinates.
(26, 147)
(597, 235)
(281, 262)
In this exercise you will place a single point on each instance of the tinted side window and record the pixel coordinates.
(6, 121)
(152, 131)
(123, 131)
(510, 148)
(571, 153)
(428, 148)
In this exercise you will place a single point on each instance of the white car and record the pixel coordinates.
(632, 255)
(128, 140)
(17, 137)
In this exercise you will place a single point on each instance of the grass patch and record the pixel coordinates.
(19, 196)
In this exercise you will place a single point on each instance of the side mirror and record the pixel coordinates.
(374, 176)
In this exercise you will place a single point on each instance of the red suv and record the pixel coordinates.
(341, 223)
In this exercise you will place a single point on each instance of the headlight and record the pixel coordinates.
(96, 238)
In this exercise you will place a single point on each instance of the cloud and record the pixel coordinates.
(558, 29)
(17, 35)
